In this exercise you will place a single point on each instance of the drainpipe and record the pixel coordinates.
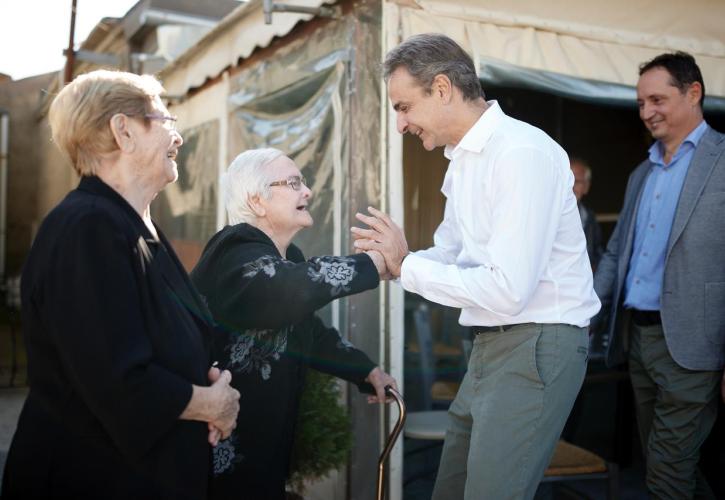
(4, 126)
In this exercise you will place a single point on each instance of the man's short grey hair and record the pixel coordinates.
(246, 177)
(430, 54)
(575, 160)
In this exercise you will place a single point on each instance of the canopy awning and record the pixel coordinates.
(586, 49)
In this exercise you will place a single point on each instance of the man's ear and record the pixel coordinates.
(694, 93)
(122, 132)
(257, 206)
(442, 87)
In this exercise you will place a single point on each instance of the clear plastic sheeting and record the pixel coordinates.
(186, 209)
(297, 102)
(288, 102)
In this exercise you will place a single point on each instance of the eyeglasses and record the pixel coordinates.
(295, 182)
(163, 118)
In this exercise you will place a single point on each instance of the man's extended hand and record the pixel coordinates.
(383, 235)
(380, 380)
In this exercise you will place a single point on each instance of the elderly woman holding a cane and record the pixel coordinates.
(264, 293)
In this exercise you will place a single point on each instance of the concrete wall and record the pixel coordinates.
(38, 176)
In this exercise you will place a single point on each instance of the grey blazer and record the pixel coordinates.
(693, 290)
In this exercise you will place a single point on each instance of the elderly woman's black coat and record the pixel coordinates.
(267, 305)
(115, 335)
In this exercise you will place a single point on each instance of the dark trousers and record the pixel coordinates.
(676, 409)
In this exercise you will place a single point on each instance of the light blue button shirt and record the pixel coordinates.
(655, 215)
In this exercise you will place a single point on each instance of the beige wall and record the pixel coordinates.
(38, 177)
(424, 203)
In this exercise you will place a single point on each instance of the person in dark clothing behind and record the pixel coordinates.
(592, 231)
(263, 292)
(117, 337)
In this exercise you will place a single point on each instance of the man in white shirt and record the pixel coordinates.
(510, 253)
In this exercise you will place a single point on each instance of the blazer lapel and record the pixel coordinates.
(631, 218)
(699, 172)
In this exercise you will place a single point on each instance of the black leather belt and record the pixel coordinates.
(646, 318)
(501, 328)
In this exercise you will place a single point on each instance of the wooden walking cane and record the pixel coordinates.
(391, 440)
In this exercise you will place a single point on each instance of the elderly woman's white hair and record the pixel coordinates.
(246, 177)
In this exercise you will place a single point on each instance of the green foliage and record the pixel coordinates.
(323, 438)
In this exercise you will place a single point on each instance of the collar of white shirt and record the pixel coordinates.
(477, 136)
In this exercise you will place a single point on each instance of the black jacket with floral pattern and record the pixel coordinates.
(266, 305)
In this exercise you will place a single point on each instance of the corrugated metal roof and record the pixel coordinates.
(100, 32)
(215, 9)
(228, 22)
(147, 12)
(236, 37)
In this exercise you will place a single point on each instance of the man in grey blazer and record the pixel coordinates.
(662, 278)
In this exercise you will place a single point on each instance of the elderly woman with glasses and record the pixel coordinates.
(120, 402)
(264, 293)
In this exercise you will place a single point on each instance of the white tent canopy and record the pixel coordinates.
(582, 49)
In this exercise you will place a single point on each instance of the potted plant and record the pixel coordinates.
(323, 438)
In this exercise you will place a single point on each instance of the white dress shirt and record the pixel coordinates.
(511, 248)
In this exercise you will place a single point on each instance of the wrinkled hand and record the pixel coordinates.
(225, 404)
(215, 433)
(379, 380)
(383, 235)
(379, 262)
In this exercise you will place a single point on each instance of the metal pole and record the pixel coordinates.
(4, 125)
(70, 54)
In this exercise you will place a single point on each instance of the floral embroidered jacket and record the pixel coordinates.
(266, 305)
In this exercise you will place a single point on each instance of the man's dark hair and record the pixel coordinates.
(431, 54)
(682, 68)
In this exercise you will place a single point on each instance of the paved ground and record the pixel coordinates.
(11, 402)
(420, 469)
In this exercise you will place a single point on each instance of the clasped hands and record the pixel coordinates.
(383, 240)
(226, 405)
